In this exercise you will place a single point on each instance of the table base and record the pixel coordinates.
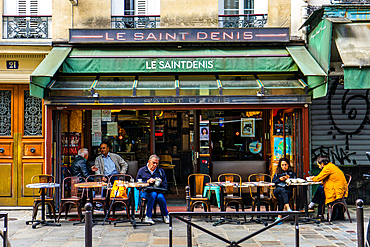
(308, 220)
(133, 222)
(41, 222)
(224, 220)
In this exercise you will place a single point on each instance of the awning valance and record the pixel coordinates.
(352, 41)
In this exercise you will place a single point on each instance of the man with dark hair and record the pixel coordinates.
(79, 166)
(152, 174)
(333, 187)
(109, 163)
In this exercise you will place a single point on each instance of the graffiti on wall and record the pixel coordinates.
(339, 155)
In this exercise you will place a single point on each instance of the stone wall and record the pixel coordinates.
(189, 13)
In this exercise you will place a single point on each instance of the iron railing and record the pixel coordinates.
(26, 27)
(242, 21)
(350, 1)
(186, 218)
(312, 8)
(135, 21)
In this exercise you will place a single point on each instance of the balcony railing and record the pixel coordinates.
(135, 21)
(26, 27)
(350, 1)
(242, 21)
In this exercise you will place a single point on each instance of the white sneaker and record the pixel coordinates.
(166, 219)
(149, 220)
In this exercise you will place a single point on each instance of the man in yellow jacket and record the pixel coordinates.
(334, 184)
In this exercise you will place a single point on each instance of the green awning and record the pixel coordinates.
(213, 60)
(319, 46)
(316, 76)
(352, 40)
(43, 74)
(306, 63)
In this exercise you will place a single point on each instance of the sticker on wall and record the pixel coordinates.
(255, 147)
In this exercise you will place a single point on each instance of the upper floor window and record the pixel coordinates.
(238, 7)
(135, 7)
(27, 7)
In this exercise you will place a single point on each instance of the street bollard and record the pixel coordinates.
(360, 222)
(188, 227)
(88, 225)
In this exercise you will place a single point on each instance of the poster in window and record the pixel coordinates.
(247, 127)
(204, 133)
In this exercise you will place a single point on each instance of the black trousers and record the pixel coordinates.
(282, 195)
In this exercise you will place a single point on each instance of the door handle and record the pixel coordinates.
(2, 150)
(32, 150)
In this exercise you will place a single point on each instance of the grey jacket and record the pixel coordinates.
(121, 164)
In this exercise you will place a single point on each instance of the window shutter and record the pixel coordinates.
(141, 7)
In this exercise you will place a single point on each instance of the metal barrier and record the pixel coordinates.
(4, 234)
(186, 217)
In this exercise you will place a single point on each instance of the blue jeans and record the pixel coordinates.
(319, 198)
(152, 197)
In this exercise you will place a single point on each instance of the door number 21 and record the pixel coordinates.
(11, 64)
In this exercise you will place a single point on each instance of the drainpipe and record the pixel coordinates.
(304, 8)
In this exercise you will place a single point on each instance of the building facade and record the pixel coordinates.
(157, 91)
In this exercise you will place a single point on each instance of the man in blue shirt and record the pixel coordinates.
(109, 163)
(154, 175)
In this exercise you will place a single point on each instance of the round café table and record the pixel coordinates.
(89, 186)
(43, 187)
(133, 185)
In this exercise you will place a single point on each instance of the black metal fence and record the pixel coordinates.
(4, 234)
(186, 218)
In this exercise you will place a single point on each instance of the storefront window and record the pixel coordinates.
(127, 131)
(235, 134)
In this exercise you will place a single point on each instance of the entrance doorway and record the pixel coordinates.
(21, 144)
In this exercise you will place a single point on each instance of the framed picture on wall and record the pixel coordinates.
(247, 127)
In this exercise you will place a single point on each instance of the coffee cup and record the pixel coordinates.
(157, 182)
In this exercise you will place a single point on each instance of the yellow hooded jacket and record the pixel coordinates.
(334, 182)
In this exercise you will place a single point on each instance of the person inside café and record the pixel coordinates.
(79, 166)
(155, 176)
(109, 163)
(283, 192)
(334, 185)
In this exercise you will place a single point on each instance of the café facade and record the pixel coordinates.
(197, 95)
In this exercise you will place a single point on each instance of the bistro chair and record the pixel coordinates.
(230, 198)
(341, 201)
(165, 162)
(197, 182)
(71, 196)
(49, 195)
(266, 193)
(119, 195)
(100, 195)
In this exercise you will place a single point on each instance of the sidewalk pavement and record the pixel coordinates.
(340, 233)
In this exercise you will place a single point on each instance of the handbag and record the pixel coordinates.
(118, 191)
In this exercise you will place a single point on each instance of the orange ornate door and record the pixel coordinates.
(21, 144)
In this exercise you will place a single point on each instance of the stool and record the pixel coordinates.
(213, 189)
